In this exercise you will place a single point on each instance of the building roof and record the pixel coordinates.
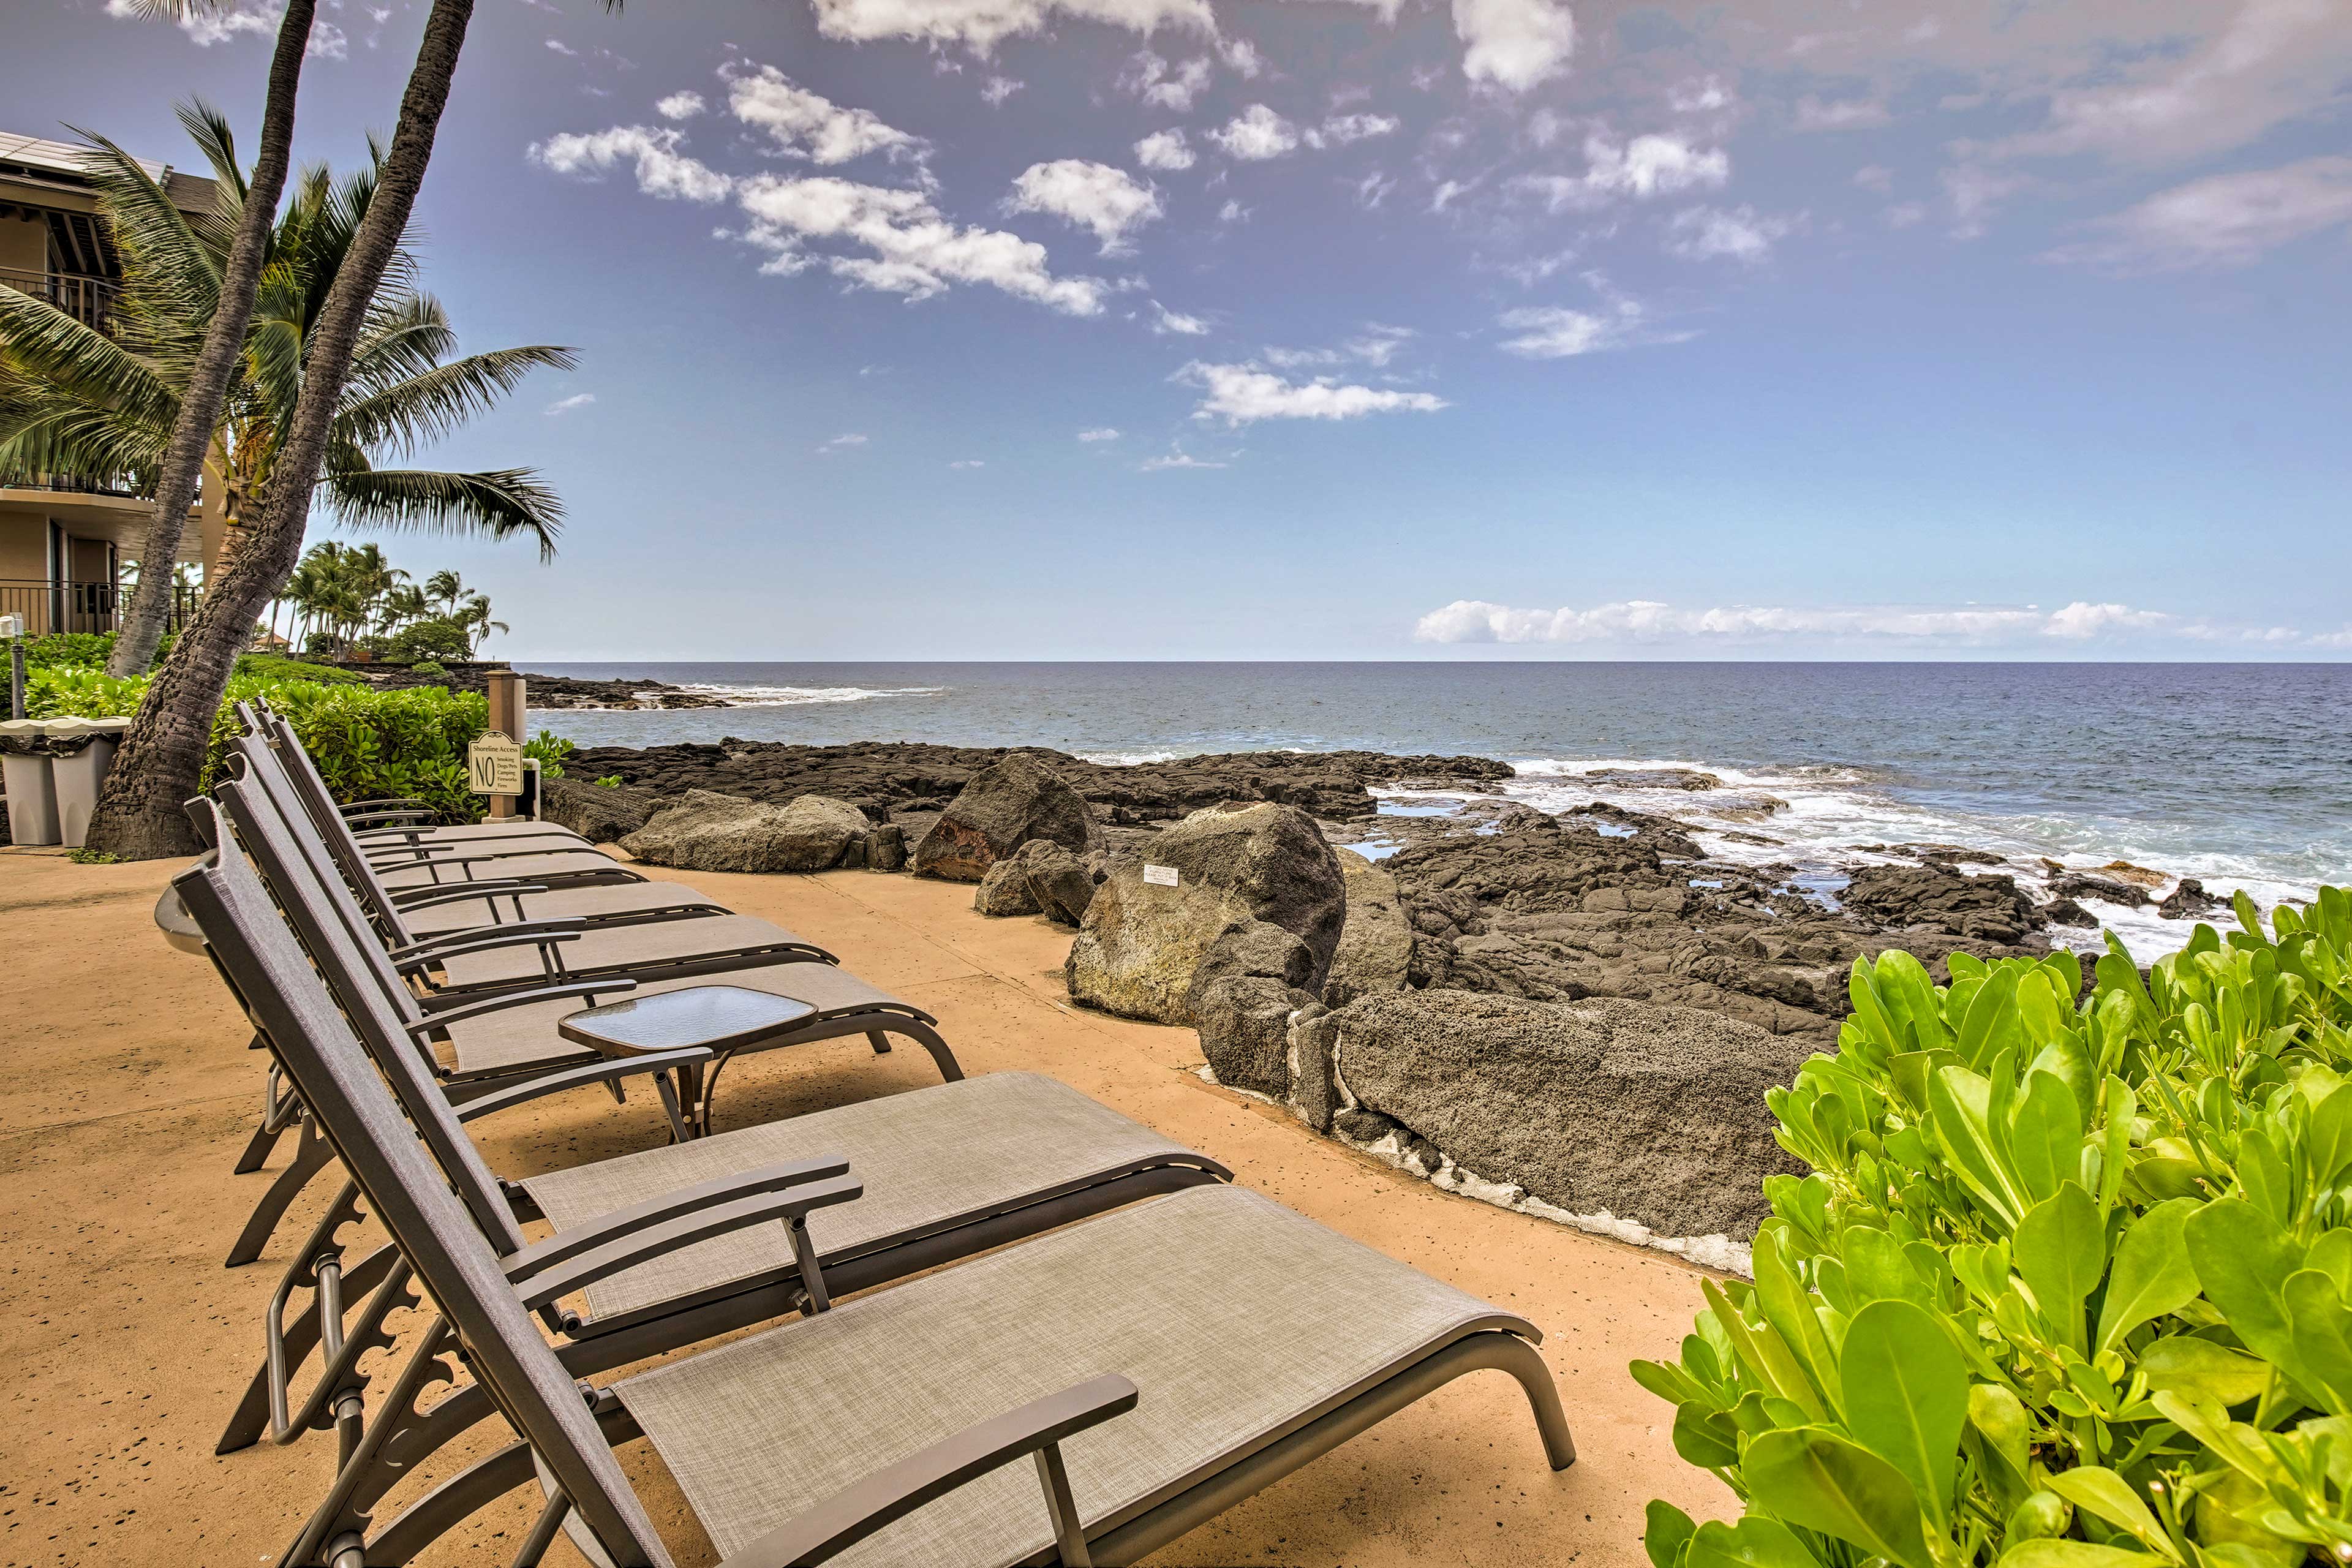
(36, 160)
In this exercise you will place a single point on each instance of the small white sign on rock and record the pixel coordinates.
(1159, 876)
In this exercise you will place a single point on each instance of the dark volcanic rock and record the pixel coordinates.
(1142, 945)
(1242, 998)
(1039, 878)
(601, 815)
(1272, 857)
(1004, 891)
(1652, 1114)
(2188, 901)
(708, 831)
(1375, 953)
(2090, 885)
(1004, 807)
(893, 779)
(2067, 912)
(1990, 909)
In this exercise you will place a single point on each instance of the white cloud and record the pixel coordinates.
(206, 27)
(1515, 44)
(1240, 393)
(915, 250)
(566, 404)
(1103, 434)
(1097, 196)
(1648, 165)
(1741, 233)
(999, 88)
(1972, 191)
(1164, 149)
(2223, 220)
(1874, 177)
(1652, 621)
(1342, 129)
(1156, 81)
(1178, 459)
(1555, 332)
(805, 124)
(1376, 345)
(1841, 114)
(969, 463)
(560, 48)
(1256, 134)
(1167, 322)
(1232, 211)
(328, 42)
(680, 106)
(662, 170)
(841, 443)
(981, 25)
(1241, 57)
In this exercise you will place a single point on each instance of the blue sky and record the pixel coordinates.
(1318, 329)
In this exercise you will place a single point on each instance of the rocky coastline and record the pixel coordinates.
(1576, 1016)
(554, 691)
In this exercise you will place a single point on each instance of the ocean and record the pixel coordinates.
(2240, 776)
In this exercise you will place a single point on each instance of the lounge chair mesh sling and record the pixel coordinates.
(960, 1167)
(1156, 1365)
(506, 1042)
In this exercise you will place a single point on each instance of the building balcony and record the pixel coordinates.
(72, 606)
(89, 301)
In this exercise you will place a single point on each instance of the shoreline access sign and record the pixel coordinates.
(494, 765)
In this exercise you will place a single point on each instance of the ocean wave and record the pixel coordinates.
(1129, 759)
(796, 696)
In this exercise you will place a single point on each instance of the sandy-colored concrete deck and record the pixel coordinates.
(127, 1090)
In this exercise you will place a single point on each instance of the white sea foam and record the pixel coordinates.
(1129, 759)
(1830, 813)
(797, 696)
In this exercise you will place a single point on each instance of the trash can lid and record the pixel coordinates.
(104, 726)
(73, 729)
(24, 729)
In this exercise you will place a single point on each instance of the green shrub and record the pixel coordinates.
(428, 668)
(550, 750)
(59, 649)
(367, 743)
(434, 639)
(2068, 1287)
(610, 781)
(277, 667)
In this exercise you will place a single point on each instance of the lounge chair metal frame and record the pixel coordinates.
(566, 1444)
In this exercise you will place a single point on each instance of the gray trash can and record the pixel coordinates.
(80, 752)
(32, 791)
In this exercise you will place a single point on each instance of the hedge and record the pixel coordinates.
(367, 743)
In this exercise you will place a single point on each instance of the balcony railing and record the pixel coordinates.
(71, 606)
(89, 301)
(123, 486)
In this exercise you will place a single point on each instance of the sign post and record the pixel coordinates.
(510, 722)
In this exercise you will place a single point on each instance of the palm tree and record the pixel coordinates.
(74, 400)
(474, 618)
(137, 814)
(447, 590)
(401, 603)
(206, 391)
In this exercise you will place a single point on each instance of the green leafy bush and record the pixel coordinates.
(428, 668)
(54, 650)
(437, 639)
(367, 743)
(2068, 1287)
(277, 667)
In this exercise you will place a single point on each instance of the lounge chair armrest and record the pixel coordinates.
(608, 1070)
(461, 893)
(381, 799)
(463, 1008)
(474, 942)
(537, 1258)
(791, 1205)
(387, 814)
(891, 1493)
(501, 935)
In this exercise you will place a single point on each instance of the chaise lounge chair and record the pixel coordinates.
(1158, 1365)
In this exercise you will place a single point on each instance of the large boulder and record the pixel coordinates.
(1039, 878)
(1004, 806)
(1376, 943)
(1142, 945)
(1242, 999)
(1004, 891)
(601, 815)
(1652, 1114)
(710, 832)
(1273, 859)
(1897, 898)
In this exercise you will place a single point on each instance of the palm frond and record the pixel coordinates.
(406, 335)
(153, 235)
(500, 502)
(210, 130)
(41, 343)
(424, 409)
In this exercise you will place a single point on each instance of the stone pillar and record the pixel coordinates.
(509, 717)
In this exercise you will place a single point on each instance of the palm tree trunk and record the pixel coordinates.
(139, 814)
(207, 390)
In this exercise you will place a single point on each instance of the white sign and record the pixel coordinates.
(11, 625)
(1159, 876)
(494, 765)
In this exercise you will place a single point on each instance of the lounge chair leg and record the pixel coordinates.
(923, 1035)
(669, 1093)
(299, 1337)
(278, 1111)
(312, 1156)
(881, 1042)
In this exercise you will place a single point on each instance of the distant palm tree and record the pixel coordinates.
(447, 590)
(474, 618)
(74, 400)
(401, 603)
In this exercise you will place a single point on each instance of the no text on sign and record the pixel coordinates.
(1159, 876)
(494, 765)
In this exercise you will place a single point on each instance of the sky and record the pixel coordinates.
(1335, 329)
